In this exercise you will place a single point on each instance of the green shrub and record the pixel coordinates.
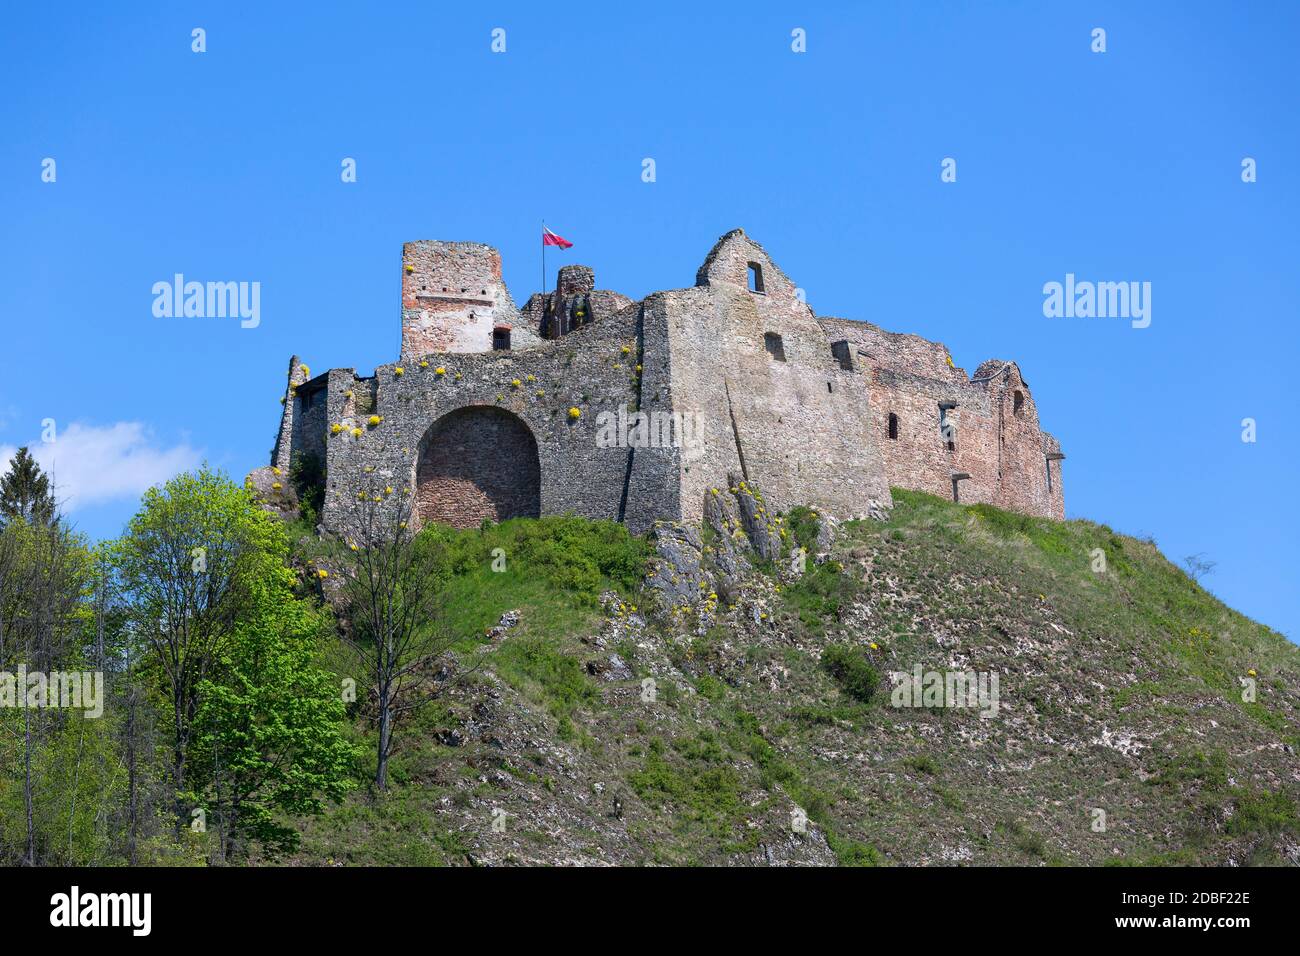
(821, 594)
(803, 526)
(851, 670)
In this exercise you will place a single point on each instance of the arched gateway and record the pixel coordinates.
(475, 463)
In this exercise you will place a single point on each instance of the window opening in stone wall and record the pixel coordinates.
(840, 351)
(947, 428)
(755, 277)
(1018, 403)
(772, 342)
(1049, 476)
(500, 340)
(893, 426)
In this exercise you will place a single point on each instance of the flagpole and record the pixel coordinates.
(543, 290)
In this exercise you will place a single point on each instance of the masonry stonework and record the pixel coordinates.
(587, 402)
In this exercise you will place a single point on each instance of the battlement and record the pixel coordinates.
(494, 411)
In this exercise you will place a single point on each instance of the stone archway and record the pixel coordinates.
(475, 463)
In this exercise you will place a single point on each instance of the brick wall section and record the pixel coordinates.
(1001, 450)
(810, 427)
(476, 463)
(453, 297)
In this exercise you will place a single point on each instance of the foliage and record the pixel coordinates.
(268, 741)
(25, 492)
(851, 670)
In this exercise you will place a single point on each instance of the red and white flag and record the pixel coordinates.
(551, 239)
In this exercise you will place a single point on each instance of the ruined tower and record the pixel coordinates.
(454, 300)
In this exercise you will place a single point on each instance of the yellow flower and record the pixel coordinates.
(530, 378)
(574, 413)
(305, 371)
(540, 393)
(949, 358)
(322, 573)
(275, 470)
(374, 420)
(275, 485)
(626, 349)
(335, 428)
(1251, 672)
(403, 524)
(399, 371)
(515, 383)
(410, 268)
(348, 393)
(361, 496)
(875, 646)
(424, 363)
(439, 371)
(638, 368)
(388, 490)
(356, 433)
(353, 546)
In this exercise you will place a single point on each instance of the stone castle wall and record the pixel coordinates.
(634, 411)
(992, 437)
(781, 412)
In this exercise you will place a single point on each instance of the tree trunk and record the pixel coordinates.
(27, 781)
(385, 736)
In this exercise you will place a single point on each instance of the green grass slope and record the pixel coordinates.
(595, 732)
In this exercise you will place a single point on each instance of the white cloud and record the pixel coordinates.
(90, 464)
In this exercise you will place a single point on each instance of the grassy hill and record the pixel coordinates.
(1118, 691)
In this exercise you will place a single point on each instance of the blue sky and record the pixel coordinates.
(225, 166)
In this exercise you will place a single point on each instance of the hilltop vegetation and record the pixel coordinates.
(724, 695)
(1120, 692)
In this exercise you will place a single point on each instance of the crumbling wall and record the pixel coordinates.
(993, 447)
(283, 450)
(778, 408)
(587, 371)
(453, 298)
(575, 302)
(1056, 491)
(638, 410)
(1020, 455)
(310, 419)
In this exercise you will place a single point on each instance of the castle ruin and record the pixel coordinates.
(584, 401)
